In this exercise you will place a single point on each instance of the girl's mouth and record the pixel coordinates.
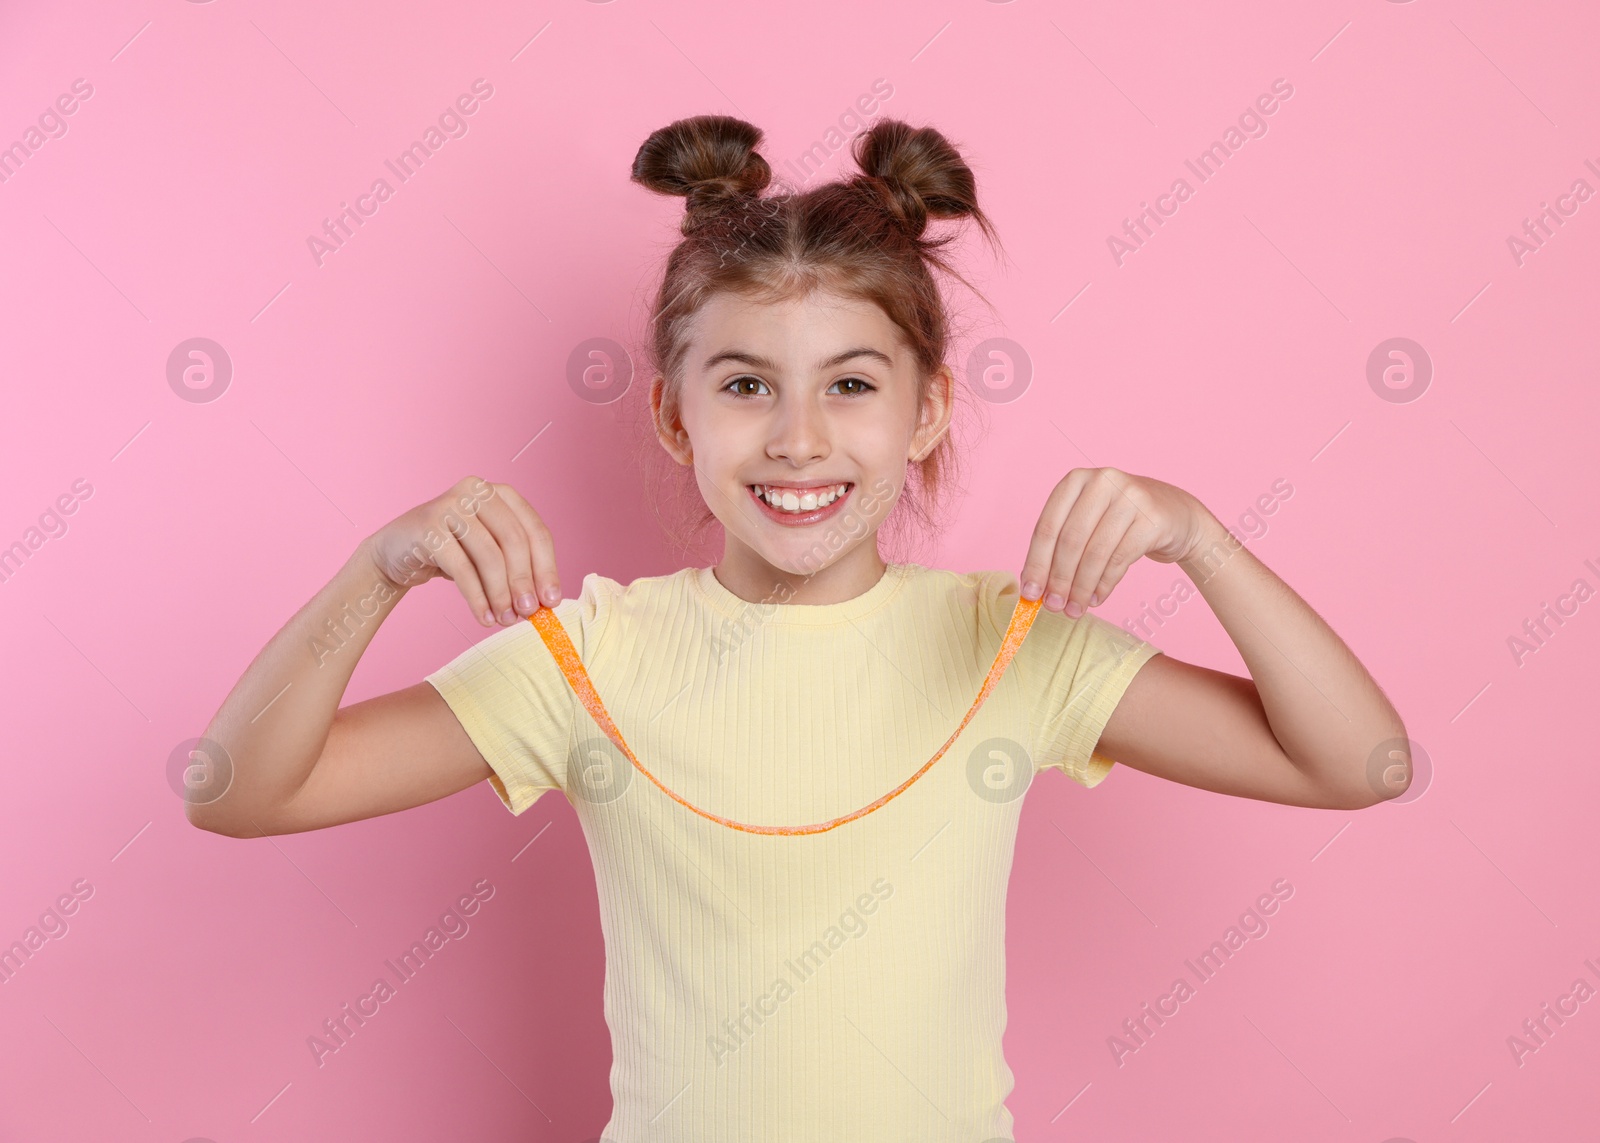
(797, 507)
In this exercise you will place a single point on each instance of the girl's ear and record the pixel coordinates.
(934, 418)
(669, 428)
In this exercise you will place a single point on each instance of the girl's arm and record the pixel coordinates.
(290, 758)
(1309, 726)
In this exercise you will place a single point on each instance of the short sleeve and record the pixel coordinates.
(1072, 673)
(514, 703)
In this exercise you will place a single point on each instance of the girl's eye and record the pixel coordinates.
(735, 386)
(732, 386)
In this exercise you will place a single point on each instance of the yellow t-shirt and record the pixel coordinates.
(841, 985)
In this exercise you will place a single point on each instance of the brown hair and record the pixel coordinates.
(862, 237)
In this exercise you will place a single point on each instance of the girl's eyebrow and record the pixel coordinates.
(756, 361)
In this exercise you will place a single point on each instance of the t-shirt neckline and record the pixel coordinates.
(712, 590)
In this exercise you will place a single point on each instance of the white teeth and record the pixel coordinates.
(800, 500)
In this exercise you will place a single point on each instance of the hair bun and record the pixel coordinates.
(918, 172)
(707, 159)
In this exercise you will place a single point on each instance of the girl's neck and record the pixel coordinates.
(748, 575)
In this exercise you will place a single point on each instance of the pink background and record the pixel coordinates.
(1228, 353)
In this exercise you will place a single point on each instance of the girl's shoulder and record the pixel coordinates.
(987, 589)
(992, 597)
(597, 590)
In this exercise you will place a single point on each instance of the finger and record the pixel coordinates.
(541, 548)
(1042, 545)
(453, 561)
(1081, 558)
(1076, 531)
(487, 560)
(1135, 542)
(506, 528)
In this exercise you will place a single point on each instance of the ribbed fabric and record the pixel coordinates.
(838, 986)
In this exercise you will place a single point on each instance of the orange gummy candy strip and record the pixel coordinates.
(566, 657)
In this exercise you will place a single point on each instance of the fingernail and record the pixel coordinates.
(1030, 590)
(526, 603)
(508, 617)
(1094, 600)
(1074, 609)
(487, 618)
(552, 594)
(1053, 601)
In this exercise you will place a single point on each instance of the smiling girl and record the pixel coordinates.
(803, 915)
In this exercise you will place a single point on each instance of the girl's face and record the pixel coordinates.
(788, 401)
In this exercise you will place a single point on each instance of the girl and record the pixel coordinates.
(804, 931)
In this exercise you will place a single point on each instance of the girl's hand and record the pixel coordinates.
(1097, 522)
(486, 538)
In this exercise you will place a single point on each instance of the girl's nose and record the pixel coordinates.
(799, 435)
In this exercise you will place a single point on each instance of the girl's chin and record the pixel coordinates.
(801, 556)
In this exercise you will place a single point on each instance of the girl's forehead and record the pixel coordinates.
(764, 326)
(819, 301)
